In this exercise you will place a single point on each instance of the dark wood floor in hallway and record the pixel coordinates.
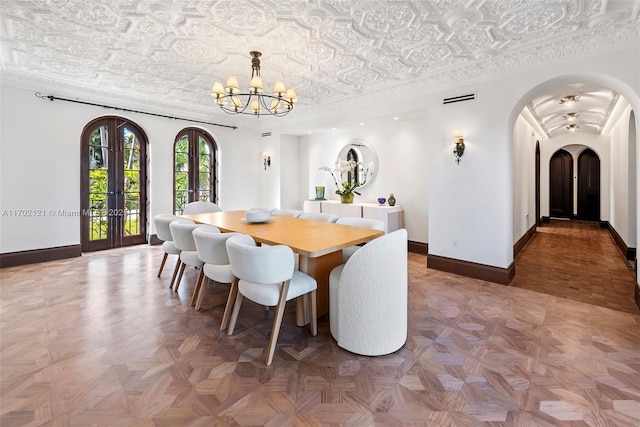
(101, 341)
(580, 261)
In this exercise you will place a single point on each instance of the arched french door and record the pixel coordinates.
(195, 166)
(113, 184)
(561, 185)
(588, 186)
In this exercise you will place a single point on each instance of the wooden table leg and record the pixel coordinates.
(319, 268)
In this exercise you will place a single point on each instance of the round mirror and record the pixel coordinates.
(365, 159)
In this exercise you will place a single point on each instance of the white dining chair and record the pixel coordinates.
(318, 216)
(200, 207)
(163, 232)
(266, 276)
(182, 232)
(368, 297)
(286, 212)
(374, 224)
(212, 251)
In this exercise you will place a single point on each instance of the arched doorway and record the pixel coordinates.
(588, 186)
(561, 185)
(113, 184)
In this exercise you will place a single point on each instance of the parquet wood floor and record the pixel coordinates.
(580, 261)
(101, 341)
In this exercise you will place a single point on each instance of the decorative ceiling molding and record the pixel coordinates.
(334, 52)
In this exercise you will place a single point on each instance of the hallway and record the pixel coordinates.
(579, 261)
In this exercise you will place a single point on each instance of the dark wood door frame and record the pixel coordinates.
(114, 194)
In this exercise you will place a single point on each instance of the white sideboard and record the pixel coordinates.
(392, 216)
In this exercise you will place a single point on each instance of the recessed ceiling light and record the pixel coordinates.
(395, 118)
(361, 124)
(569, 99)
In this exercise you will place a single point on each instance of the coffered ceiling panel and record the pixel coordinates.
(167, 54)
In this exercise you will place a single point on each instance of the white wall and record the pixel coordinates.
(401, 148)
(290, 173)
(40, 164)
(524, 140)
(620, 178)
(633, 182)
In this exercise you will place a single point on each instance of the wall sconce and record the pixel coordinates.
(458, 150)
(266, 157)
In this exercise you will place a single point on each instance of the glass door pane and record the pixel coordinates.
(98, 183)
(204, 170)
(181, 174)
(131, 185)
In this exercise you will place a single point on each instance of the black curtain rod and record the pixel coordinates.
(53, 98)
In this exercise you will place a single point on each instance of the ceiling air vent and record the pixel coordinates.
(460, 98)
(266, 134)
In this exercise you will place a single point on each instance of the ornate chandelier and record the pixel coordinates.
(233, 101)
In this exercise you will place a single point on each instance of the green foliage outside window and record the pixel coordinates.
(98, 186)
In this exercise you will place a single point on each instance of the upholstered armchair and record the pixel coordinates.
(368, 297)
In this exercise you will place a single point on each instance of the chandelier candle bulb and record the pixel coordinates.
(291, 96)
(232, 85)
(279, 89)
(256, 84)
(217, 90)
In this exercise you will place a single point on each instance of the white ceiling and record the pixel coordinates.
(165, 55)
(589, 113)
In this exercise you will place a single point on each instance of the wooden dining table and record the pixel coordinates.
(318, 243)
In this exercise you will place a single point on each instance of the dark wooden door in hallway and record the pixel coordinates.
(561, 185)
(589, 186)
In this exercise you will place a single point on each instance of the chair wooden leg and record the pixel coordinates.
(314, 313)
(175, 272)
(277, 322)
(197, 289)
(177, 285)
(201, 292)
(233, 290)
(164, 259)
(234, 315)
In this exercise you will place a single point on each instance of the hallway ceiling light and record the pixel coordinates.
(254, 101)
(570, 99)
(573, 127)
(571, 116)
